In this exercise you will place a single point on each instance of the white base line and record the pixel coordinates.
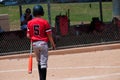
(87, 67)
(94, 77)
(65, 68)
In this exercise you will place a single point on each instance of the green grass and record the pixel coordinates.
(79, 12)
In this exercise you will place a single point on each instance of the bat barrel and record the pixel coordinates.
(30, 65)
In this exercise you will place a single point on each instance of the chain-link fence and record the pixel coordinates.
(73, 25)
(15, 41)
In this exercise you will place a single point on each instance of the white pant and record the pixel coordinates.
(41, 51)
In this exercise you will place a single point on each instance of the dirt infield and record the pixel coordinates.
(102, 64)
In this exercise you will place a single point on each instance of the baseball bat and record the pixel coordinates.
(30, 59)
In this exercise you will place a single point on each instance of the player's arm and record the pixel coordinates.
(51, 40)
(49, 34)
(23, 20)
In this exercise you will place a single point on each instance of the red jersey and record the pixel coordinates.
(38, 29)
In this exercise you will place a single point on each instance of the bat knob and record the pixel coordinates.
(30, 72)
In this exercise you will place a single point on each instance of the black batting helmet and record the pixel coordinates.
(38, 10)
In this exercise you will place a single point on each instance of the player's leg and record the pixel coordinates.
(37, 49)
(41, 52)
(42, 72)
(43, 60)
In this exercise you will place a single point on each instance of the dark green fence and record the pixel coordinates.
(78, 35)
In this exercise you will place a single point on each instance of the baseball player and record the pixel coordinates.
(40, 33)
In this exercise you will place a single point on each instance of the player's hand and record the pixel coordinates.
(53, 48)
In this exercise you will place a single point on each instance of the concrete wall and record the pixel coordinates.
(4, 22)
(116, 8)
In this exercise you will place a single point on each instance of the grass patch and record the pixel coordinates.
(78, 12)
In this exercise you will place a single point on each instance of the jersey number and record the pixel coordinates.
(36, 30)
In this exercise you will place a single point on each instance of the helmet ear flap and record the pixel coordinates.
(42, 14)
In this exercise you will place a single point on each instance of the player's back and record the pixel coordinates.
(38, 28)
